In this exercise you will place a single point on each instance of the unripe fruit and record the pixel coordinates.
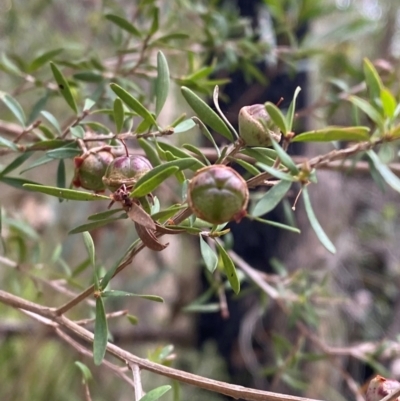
(256, 127)
(125, 170)
(218, 194)
(89, 170)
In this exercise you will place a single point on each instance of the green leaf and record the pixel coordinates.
(230, 269)
(77, 132)
(95, 224)
(181, 154)
(167, 213)
(285, 158)
(277, 117)
(89, 76)
(184, 126)
(334, 133)
(275, 224)
(134, 104)
(291, 110)
(151, 153)
(52, 120)
(100, 333)
(63, 153)
(204, 130)
(61, 179)
(156, 393)
(116, 293)
(104, 215)
(388, 102)
(17, 182)
(155, 23)
(124, 24)
(391, 179)
(271, 198)
(66, 193)
(15, 163)
(247, 166)
(374, 83)
(325, 241)
(276, 173)
(89, 103)
(64, 88)
(368, 109)
(87, 375)
(196, 151)
(89, 244)
(14, 107)
(43, 59)
(209, 256)
(119, 114)
(162, 82)
(206, 113)
(152, 182)
(5, 143)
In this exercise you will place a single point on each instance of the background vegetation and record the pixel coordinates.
(317, 323)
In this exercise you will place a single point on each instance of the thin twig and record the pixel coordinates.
(137, 381)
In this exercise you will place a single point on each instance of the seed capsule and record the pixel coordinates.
(256, 127)
(125, 170)
(218, 194)
(89, 170)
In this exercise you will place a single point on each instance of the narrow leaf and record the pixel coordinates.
(124, 24)
(206, 113)
(277, 117)
(66, 193)
(5, 143)
(119, 114)
(117, 293)
(184, 126)
(325, 241)
(149, 185)
(180, 154)
(89, 103)
(89, 245)
(43, 59)
(156, 393)
(52, 120)
(15, 163)
(134, 104)
(285, 158)
(368, 109)
(95, 224)
(14, 107)
(372, 79)
(276, 173)
(151, 153)
(230, 269)
(17, 182)
(291, 110)
(162, 82)
(388, 102)
(181, 164)
(334, 133)
(275, 224)
(100, 333)
(390, 178)
(104, 215)
(64, 88)
(271, 198)
(61, 179)
(87, 375)
(209, 256)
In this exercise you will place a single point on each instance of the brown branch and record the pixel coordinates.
(179, 375)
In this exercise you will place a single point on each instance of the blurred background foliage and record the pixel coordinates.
(205, 42)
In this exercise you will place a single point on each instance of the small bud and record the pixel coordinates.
(379, 387)
(89, 170)
(218, 194)
(256, 127)
(125, 170)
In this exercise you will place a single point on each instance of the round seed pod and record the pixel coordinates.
(125, 170)
(218, 194)
(89, 170)
(256, 127)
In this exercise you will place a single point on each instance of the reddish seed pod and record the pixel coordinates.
(89, 170)
(125, 170)
(256, 127)
(218, 194)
